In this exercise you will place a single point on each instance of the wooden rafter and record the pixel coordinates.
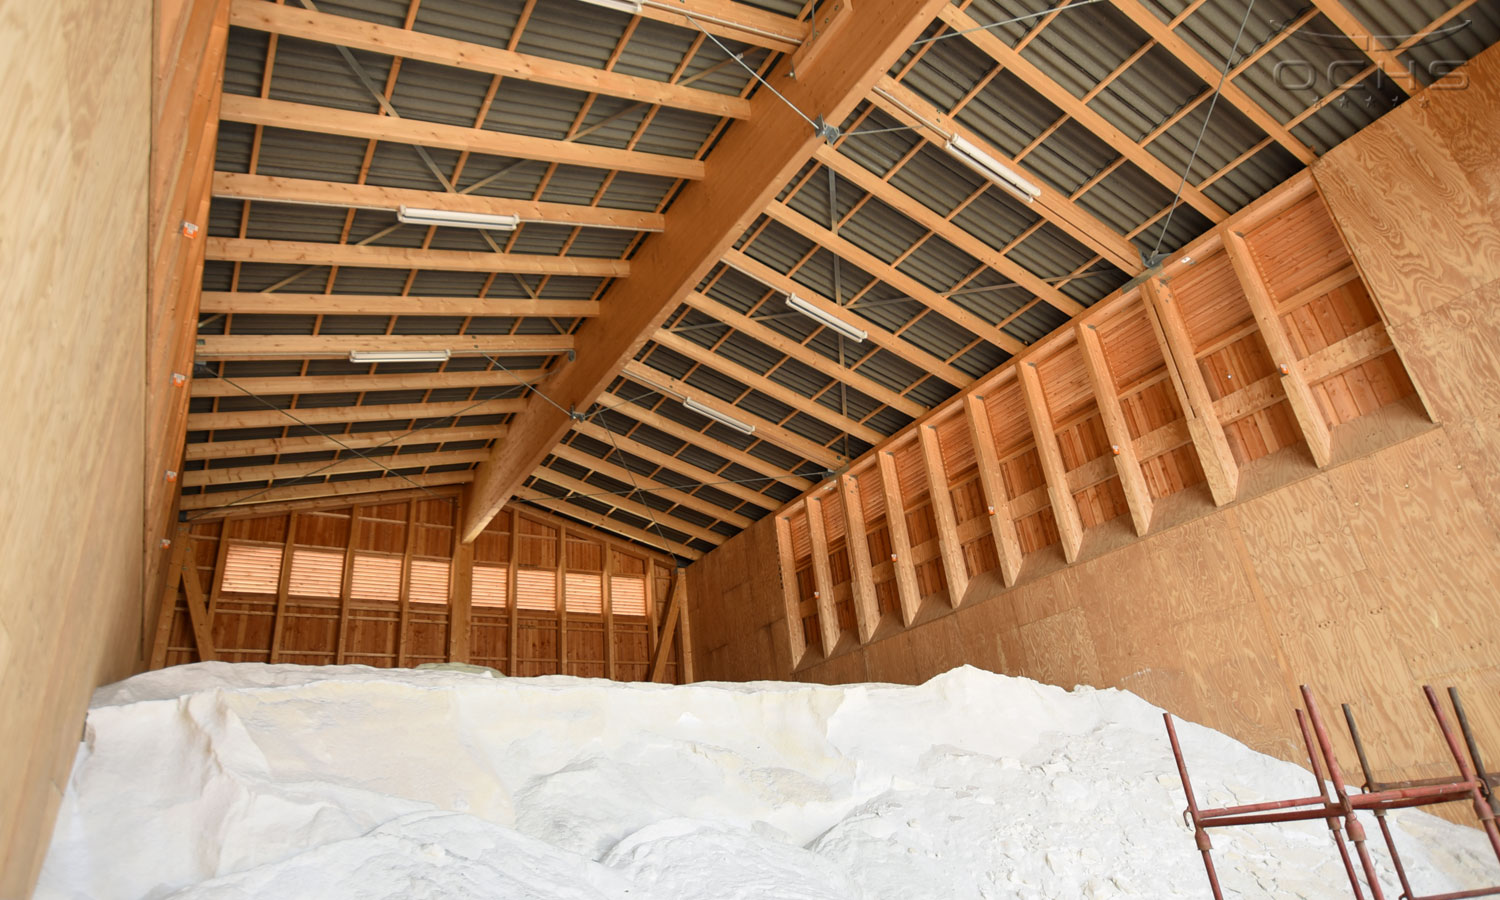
(754, 164)
(319, 443)
(321, 415)
(351, 463)
(649, 485)
(271, 386)
(656, 457)
(332, 346)
(606, 523)
(376, 482)
(231, 302)
(311, 253)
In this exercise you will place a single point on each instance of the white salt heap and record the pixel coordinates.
(228, 782)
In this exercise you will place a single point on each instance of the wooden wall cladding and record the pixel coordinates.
(1366, 578)
(378, 585)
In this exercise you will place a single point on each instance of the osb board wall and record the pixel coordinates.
(74, 137)
(1366, 580)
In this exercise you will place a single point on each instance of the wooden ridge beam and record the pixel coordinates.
(1210, 72)
(624, 504)
(324, 415)
(908, 592)
(649, 485)
(333, 346)
(391, 305)
(1054, 206)
(1081, 112)
(1002, 520)
(955, 571)
(681, 466)
(389, 40)
(878, 268)
(605, 523)
(286, 385)
(891, 343)
(752, 165)
(765, 429)
(802, 353)
(319, 443)
(1064, 507)
(828, 617)
(857, 544)
(278, 189)
(324, 467)
(733, 370)
(681, 432)
(1127, 464)
(316, 253)
(1299, 394)
(375, 127)
(251, 499)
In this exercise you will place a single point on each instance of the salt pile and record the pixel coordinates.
(221, 782)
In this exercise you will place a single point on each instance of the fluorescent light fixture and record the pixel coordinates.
(625, 6)
(993, 169)
(721, 418)
(410, 215)
(827, 320)
(399, 356)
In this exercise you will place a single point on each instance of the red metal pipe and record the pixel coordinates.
(1333, 823)
(1481, 806)
(1200, 836)
(1352, 828)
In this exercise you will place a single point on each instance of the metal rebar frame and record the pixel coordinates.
(1341, 808)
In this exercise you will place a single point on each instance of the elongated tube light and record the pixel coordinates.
(721, 418)
(410, 215)
(827, 320)
(993, 169)
(399, 356)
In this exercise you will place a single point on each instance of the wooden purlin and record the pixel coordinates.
(755, 163)
(318, 253)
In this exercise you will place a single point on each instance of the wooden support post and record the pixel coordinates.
(168, 609)
(907, 591)
(1127, 463)
(788, 565)
(460, 594)
(1298, 394)
(992, 480)
(1219, 468)
(346, 588)
(857, 541)
(283, 588)
(685, 629)
(652, 614)
(669, 626)
(403, 618)
(828, 617)
(217, 587)
(559, 582)
(606, 586)
(1064, 507)
(197, 606)
(954, 568)
(512, 633)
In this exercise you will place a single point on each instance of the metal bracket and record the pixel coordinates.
(827, 132)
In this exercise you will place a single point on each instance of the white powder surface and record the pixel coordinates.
(223, 782)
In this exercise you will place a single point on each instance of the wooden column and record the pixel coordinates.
(685, 629)
(1214, 455)
(403, 618)
(560, 580)
(460, 594)
(954, 568)
(197, 606)
(669, 626)
(167, 611)
(606, 587)
(346, 588)
(217, 587)
(1064, 508)
(861, 578)
(828, 619)
(907, 591)
(1298, 394)
(992, 480)
(1127, 463)
(283, 587)
(512, 633)
(788, 565)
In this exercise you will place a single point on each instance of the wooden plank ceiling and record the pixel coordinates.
(669, 204)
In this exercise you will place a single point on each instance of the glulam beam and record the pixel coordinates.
(1127, 462)
(951, 549)
(1064, 507)
(857, 545)
(992, 481)
(316, 253)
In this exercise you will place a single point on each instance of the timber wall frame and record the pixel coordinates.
(203, 619)
(1260, 335)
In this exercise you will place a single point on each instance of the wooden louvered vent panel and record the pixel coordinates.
(316, 573)
(911, 474)
(249, 569)
(871, 495)
(536, 589)
(627, 595)
(583, 592)
(429, 581)
(833, 517)
(489, 586)
(801, 538)
(376, 577)
(956, 448)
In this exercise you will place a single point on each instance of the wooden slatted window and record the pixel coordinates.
(490, 586)
(316, 573)
(251, 569)
(627, 595)
(536, 589)
(833, 516)
(429, 581)
(911, 474)
(871, 494)
(583, 592)
(956, 448)
(376, 577)
(801, 537)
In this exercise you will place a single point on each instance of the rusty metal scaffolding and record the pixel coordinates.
(1340, 810)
